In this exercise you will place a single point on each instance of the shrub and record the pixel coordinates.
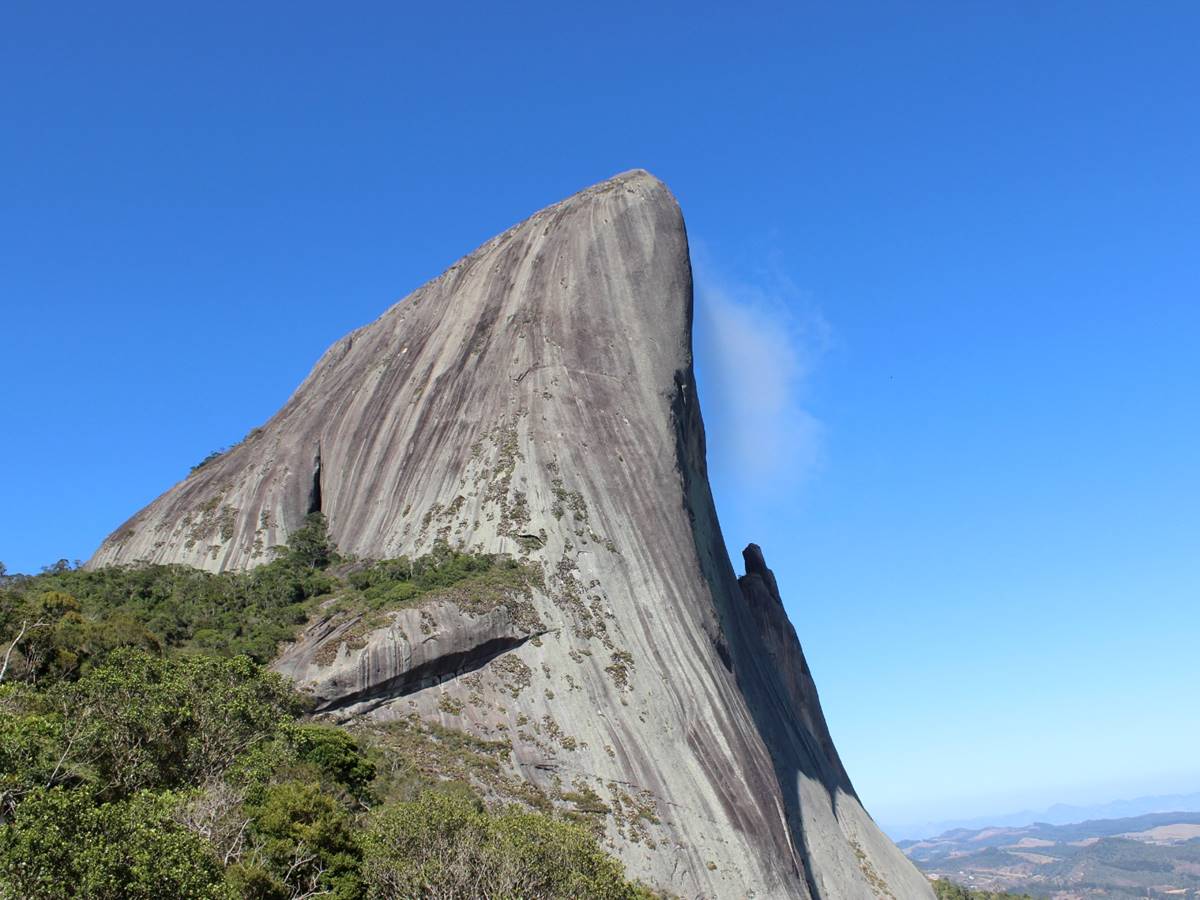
(145, 753)
(309, 547)
(60, 845)
(149, 722)
(155, 607)
(337, 756)
(447, 846)
(31, 754)
(214, 455)
(48, 637)
(303, 845)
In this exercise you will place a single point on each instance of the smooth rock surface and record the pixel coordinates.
(537, 399)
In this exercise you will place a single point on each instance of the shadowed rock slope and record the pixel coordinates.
(537, 400)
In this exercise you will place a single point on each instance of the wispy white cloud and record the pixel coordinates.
(757, 344)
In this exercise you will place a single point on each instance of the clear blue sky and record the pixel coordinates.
(948, 266)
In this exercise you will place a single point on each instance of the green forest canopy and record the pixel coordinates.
(145, 751)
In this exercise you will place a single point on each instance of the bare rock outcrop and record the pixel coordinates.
(351, 666)
(537, 400)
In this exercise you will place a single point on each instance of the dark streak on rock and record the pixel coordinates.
(314, 495)
(433, 672)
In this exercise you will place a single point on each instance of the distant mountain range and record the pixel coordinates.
(1156, 855)
(1059, 814)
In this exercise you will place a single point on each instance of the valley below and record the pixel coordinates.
(1149, 856)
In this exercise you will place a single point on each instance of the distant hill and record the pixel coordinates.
(1146, 856)
(1058, 814)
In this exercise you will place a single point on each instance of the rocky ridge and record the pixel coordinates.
(537, 400)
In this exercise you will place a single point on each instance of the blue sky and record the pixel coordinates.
(947, 280)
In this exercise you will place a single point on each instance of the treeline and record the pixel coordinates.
(146, 753)
(58, 623)
(948, 890)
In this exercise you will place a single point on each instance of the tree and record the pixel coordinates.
(60, 845)
(302, 845)
(336, 755)
(449, 847)
(161, 723)
(309, 546)
(32, 752)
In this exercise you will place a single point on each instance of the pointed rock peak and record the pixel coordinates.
(638, 185)
(537, 401)
(755, 563)
(631, 176)
(756, 566)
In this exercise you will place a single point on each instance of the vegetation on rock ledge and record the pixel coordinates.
(70, 617)
(145, 752)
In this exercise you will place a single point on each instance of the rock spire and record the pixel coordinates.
(537, 399)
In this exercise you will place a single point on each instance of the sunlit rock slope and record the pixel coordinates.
(537, 399)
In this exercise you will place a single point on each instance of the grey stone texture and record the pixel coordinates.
(537, 399)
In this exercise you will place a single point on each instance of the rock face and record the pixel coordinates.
(537, 400)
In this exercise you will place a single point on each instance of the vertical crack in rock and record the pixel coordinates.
(314, 494)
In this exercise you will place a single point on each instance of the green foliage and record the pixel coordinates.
(304, 842)
(449, 847)
(309, 546)
(948, 890)
(190, 776)
(57, 641)
(64, 621)
(139, 722)
(337, 756)
(145, 752)
(74, 617)
(395, 582)
(148, 722)
(61, 844)
(214, 455)
(31, 749)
